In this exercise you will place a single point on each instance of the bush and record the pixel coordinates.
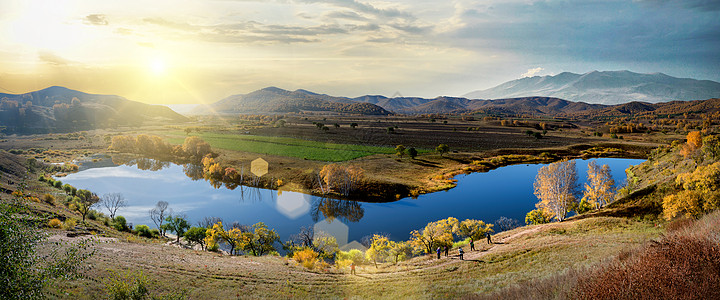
(55, 223)
(354, 255)
(120, 224)
(537, 216)
(69, 224)
(306, 257)
(143, 231)
(49, 199)
(155, 232)
(57, 184)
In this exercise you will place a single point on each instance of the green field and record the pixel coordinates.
(283, 146)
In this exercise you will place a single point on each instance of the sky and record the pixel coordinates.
(200, 51)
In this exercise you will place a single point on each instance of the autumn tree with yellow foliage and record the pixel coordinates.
(435, 234)
(474, 229)
(599, 187)
(700, 193)
(341, 179)
(555, 185)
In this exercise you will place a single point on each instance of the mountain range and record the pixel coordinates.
(59, 109)
(565, 93)
(608, 87)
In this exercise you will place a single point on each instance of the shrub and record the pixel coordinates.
(49, 199)
(69, 224)
(537, 216)
(155, 232)
(143, 231)
(354, 255)
(119, 223)
(307, 257)
(58, 184)
(55, 223)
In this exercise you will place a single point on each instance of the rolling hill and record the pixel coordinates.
(608, 87)
(59, 109)
(276, 100)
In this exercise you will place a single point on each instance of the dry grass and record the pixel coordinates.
(519, 256)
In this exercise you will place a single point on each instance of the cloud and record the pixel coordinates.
(95, 19)
(53, 59)
(365, 8)
(532, 72)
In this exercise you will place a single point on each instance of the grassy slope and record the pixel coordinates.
(520, 255)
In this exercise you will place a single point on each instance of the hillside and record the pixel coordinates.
(276, 100)
(59, 109)
(608, 87)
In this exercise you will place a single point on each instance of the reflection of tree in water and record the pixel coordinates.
(194, 171)
(151, 164)
(347, 210)
(141, 162)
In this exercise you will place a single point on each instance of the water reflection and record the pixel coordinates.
(346, 210)
(506, 191)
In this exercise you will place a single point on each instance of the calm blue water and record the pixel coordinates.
(507, 191)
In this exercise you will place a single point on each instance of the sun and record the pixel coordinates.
(158, 66)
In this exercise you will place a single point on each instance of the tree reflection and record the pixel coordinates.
(193, 171)
(141, 162)
(330, 209)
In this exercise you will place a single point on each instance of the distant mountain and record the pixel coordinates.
(276, 100)
(59, 109)
(609, 87)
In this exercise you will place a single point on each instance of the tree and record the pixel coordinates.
(112, 202)
(412, 152)
(158, 213)
(325, 245)
(177, 224)
(260, 241)
(473, 229)
(196, 147)
(599, 189)
(196, 235)
(555, 185)
(537, 216)
(442, 149)
(400, 150)
(505, 224)
(379, 249)
(435, 234)
(85, 200)
(343, 179)
(700, 193)
(217, 233)
(399, 251)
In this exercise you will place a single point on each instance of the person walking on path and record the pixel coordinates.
(352, 268)
(447, 251)
(488, 238)
(461, 253)
(472, 245)
(438, 252)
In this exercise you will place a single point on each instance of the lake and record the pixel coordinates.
(506, 191)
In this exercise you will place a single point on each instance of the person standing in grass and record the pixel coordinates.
(472, 245)
(352, 268)
(488, 238)
(447, 251)
(438, 252)
(461, 253)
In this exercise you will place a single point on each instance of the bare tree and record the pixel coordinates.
(113, 202)
(505, 224)
(158, 214)
(208, 222)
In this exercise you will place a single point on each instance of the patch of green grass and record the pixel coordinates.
(283, 146)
